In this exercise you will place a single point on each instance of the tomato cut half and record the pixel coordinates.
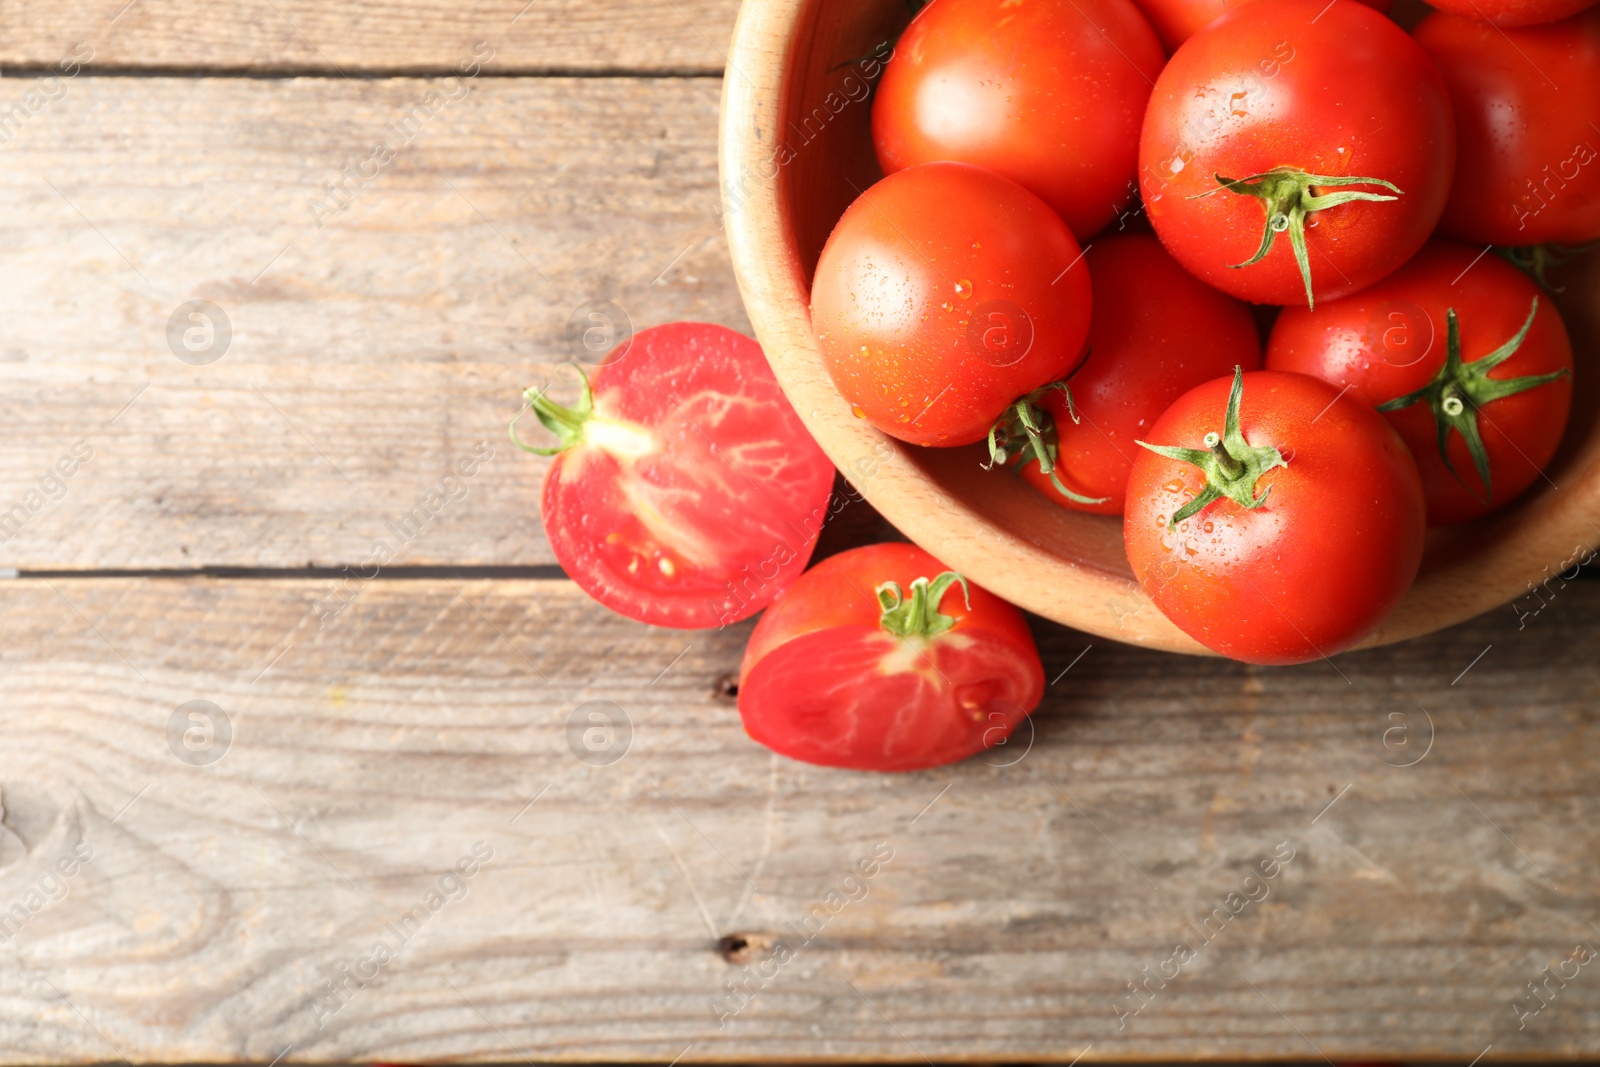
(879, 659)
(685, 491)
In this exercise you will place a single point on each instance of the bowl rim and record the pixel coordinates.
(1498, 559)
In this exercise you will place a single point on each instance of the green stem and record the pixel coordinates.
(566, 423)
(1285, 194)
(1231, 464)
(1027, 430)
(1460, 390)
(1536, 260)
(918, 615)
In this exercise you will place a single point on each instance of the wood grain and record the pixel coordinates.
(368, 355)
(368, 757)
(423, 36)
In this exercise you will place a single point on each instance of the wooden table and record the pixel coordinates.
(383, 832)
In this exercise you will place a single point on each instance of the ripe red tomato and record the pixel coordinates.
(944, 294)
(685, 492)
(1513, 12)
(1157, 333)
(880, 659)
(1049, 93)
(1433, 328)
(1323, 123)
(1278, 527)
(1527, 169)
(1175, 21)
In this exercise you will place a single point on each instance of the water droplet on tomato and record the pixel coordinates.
(1174, 486)
(855, 409)
(947, 306)
(667, 567)
(964, 289)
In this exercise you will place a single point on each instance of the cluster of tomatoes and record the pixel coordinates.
(1085, 197)
(1302, 153)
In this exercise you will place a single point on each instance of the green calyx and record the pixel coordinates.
(918, 615)
(1231, 464)
(1027, 430)
(1536, 260)
(1460, 390)
(566, 423)
(1285, 193)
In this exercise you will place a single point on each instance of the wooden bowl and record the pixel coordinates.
(796, 149)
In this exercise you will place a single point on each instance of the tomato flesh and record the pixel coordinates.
(696, 495)
(823, 682)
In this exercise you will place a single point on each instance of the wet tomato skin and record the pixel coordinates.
(698, 495)
(1157, 333)
(1274, 84)
(823, 682)
(1320, 564)
(1389, 340)
(945, 293)
(1513, 13)
(1527, 170)
(1049, 93)
(1175, 21)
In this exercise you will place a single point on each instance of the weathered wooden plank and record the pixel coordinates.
(688, 36)
(217, 902)
(368, 355)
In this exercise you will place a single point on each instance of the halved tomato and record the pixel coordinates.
(881, 659)
(685, 491)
